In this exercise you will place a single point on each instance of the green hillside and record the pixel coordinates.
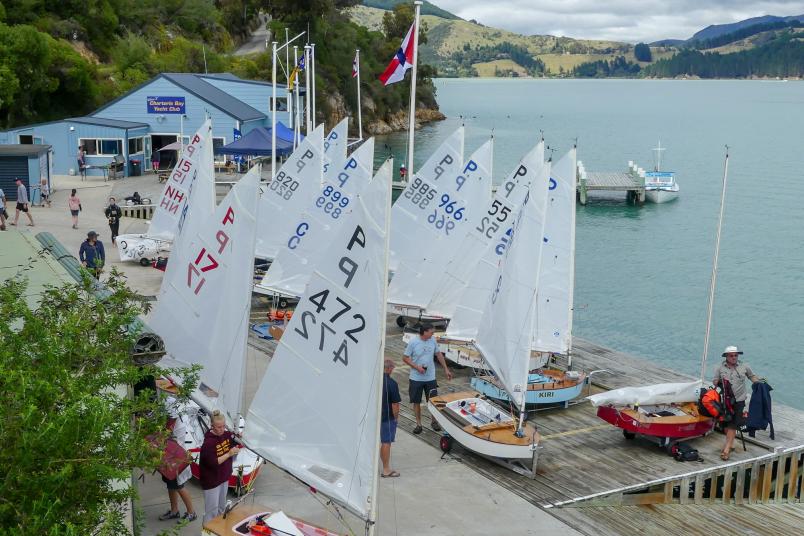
(427, 7)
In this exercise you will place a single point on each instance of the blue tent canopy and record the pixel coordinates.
(258, 143)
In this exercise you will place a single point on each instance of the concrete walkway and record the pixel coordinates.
(259, 40)
(433, 496)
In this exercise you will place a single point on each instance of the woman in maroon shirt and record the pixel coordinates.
(216, 465)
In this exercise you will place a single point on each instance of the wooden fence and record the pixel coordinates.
(771, 478)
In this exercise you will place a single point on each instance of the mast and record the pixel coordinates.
(658, 151)
(312, 70)
(359, 101)
(294, 97)
(412, 112)
(308, 124)
(713, 281)
(273, 110)
(371, 523)
(572, 262)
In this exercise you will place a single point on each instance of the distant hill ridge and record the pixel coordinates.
(716, 30)
(427, 8)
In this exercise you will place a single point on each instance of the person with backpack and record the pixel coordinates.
(731, 376)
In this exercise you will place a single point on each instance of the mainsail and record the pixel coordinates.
(335, 145)
(420, 197)
(468, 279)
(203, 309)
(460, 202)
(312, 230)
(288, 193)
(553, 325)
(191, 184)
(504, 336)
(316, 412)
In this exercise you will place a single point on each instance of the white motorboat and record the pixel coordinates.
(660, 186)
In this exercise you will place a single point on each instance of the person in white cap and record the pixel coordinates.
(735, 373)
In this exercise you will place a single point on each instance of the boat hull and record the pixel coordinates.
(661, 196)
(236, 522)
(686, 426)
(547, 387)
(495, 440)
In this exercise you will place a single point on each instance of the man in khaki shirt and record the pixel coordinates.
(735, 373)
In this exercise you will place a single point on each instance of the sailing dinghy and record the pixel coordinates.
(458, 203)
(666, 412)
(552, 330)
(335, 343)
(203, 310)
(504, 341)
(191, 181)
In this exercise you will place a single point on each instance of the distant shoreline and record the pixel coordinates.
(675, 78)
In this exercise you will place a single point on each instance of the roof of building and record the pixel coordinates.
(17, 149)
(195, 84)
(23, 256)
(105, 122)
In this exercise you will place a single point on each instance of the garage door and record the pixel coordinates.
(11, 168)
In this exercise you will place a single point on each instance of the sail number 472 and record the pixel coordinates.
(338, 310)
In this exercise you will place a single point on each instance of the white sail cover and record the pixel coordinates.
(469, 277)
(461, 201)
(191, 181)
(312, 230)
(315, 414)
(660, 393)
(335, 145)
(553, 325)
(420, 197)
(284, 198)
(505, 333)
(203, 309)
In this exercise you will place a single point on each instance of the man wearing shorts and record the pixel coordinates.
(390, 416)
(419, 356)
(735, 373)
(22, 204)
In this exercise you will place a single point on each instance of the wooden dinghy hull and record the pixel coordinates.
(236, 523)
(547, 386)
(488, 430)
(668, 428)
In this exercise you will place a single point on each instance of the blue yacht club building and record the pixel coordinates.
(133, 127)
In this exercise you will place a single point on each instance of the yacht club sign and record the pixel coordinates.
(166, 105)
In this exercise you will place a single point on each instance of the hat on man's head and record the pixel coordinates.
(731, 350)
(94, 234)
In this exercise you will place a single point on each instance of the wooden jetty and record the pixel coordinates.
(631, 182)
(592, 478)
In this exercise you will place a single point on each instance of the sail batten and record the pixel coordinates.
(318, 417)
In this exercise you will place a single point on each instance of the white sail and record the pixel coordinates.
(284, 198)
(461, 202)
(203, 309)
(315, 414)
(505, 333)
(660, 393)
(420, 197)
(312, 230)
(335, 145)
(553, 325)
(466, 282)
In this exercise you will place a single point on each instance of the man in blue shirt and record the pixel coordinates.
(390, 415)
(419, 356)
(92, 255)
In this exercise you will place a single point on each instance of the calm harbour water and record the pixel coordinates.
(642, 273)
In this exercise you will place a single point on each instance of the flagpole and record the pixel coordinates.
(307, 87)
(412, 112)
(295, 96)
(359, 102)
(273, 111)
(288, 72)
(312, 62)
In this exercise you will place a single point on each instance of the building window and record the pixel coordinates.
(26, 139)
(281, 104)
(101, 147)
(216, 143)
(135, 145)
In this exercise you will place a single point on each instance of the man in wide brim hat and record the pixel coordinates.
(735, 373)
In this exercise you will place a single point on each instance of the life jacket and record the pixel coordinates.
(710, 405)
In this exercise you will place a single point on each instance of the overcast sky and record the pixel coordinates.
(619, 20)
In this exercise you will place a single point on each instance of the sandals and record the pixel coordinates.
(392, 474)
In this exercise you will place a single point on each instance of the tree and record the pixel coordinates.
(642, 52)
(71, 439)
